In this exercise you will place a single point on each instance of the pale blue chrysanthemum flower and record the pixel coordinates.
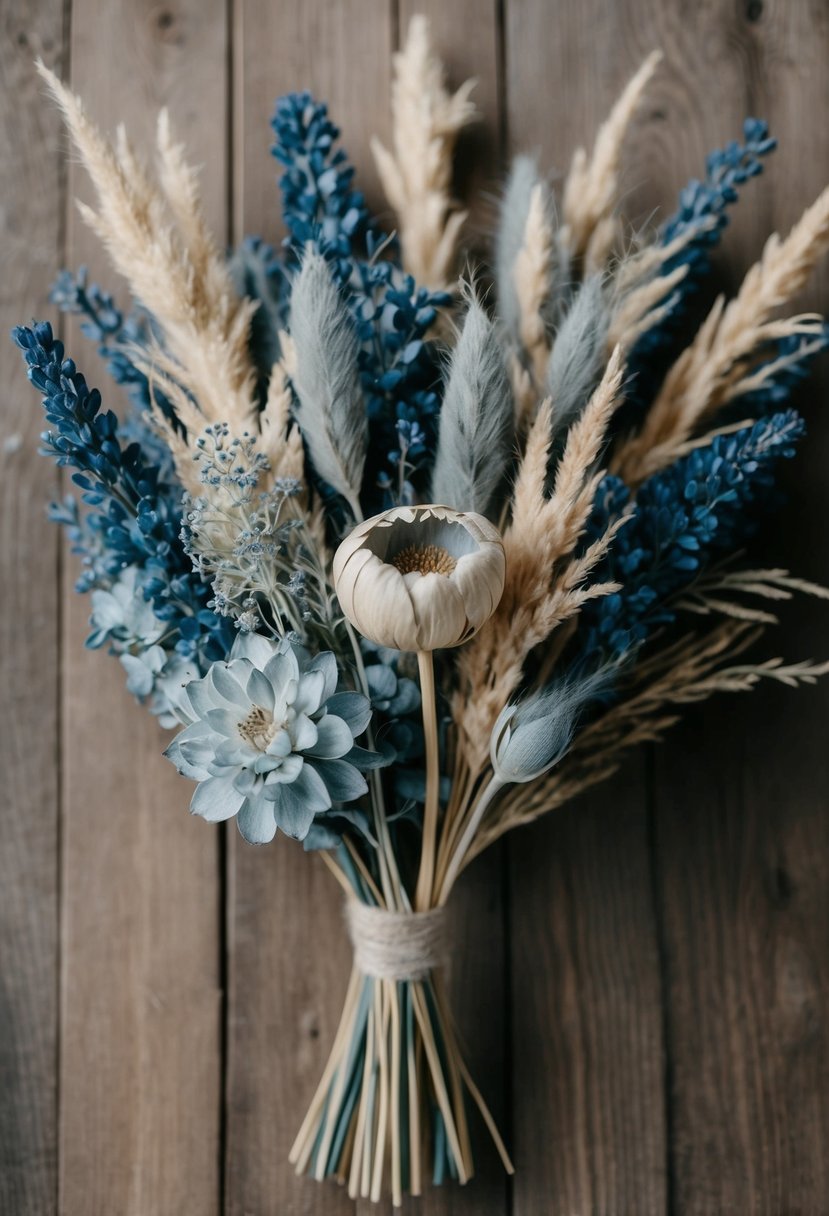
(271, 741)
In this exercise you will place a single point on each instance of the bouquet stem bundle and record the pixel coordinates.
(392, 1102)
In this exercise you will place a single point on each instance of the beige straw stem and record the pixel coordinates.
(425, 877)
(414, 1121)
(438, 1081)
(382, 1115)
(302, 1146)
(396, 1163)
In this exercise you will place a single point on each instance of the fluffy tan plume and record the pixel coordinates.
(546, 584)
(717, 367)
(532, 276)
(157, 239)
(417, 172)
(591, 189)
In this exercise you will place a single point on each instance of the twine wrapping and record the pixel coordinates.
(397, 945)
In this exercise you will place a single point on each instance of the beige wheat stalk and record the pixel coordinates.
(157, 238)
(717, 367)
(417, 174)
(688, 671)
(546, 584)
(591, 190)
(533, 278)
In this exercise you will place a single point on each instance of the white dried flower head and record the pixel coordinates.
(420, 578)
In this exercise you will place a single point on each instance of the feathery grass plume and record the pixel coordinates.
(417, 174)
(718, 592)
(157, 239)
(590, 192)
(510, 239)
(533, 278)
(476, 419)
(532, 735)
(717, 366)
(578, 356)
(331, 413)
(644, 294)
(686, 672)
(546, 584)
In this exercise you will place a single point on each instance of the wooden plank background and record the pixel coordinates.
(644, 989)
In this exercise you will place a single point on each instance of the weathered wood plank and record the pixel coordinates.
(288, 956)
(589, 1114)
(287, 983)
(140, 1046)
(30, 233)
(741, 793)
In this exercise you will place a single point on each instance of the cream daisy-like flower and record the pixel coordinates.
(420, 578)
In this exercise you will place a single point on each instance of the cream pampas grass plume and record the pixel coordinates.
(592, 185)
(417, 172)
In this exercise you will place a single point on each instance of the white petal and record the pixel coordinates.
(440, 613)
(304, 733)
(335, 738)
(309, 693)
(256, 821)
(216, 799)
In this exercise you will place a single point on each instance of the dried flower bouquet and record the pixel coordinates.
(408, 571)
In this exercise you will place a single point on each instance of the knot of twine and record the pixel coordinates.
(397, 945)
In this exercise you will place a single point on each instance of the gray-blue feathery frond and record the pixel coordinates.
(578, 355)
(332, 413)
(509, 237)
(476, 419)
(532, 735)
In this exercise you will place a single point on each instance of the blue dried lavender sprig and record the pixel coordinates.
(136, 515)
(113, 331)
(318, 201)
(701, 216)
(704, 505)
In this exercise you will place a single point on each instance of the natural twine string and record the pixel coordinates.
(397, 945)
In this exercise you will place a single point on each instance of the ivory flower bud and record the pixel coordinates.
(420, 578)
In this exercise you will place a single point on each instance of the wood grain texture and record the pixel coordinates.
(586, 1020)
(288, 955)
(140, 1042)
(30, 234)
(741, 793)
(587, 1050)
(650, 967)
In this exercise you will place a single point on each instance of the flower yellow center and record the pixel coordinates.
(424, 559)
(258, 728)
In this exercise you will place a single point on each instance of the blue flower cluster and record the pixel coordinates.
(116, 335)
(392, 314)
(701, 216)
(318, 201)
(135, 519)
(701, 507)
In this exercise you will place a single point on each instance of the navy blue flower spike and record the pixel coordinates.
(701, 507)
(318, 201)
(136, 516)
(701, 216)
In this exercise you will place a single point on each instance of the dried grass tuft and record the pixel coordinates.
(591, 189)
(717, 367)
(417, 174)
